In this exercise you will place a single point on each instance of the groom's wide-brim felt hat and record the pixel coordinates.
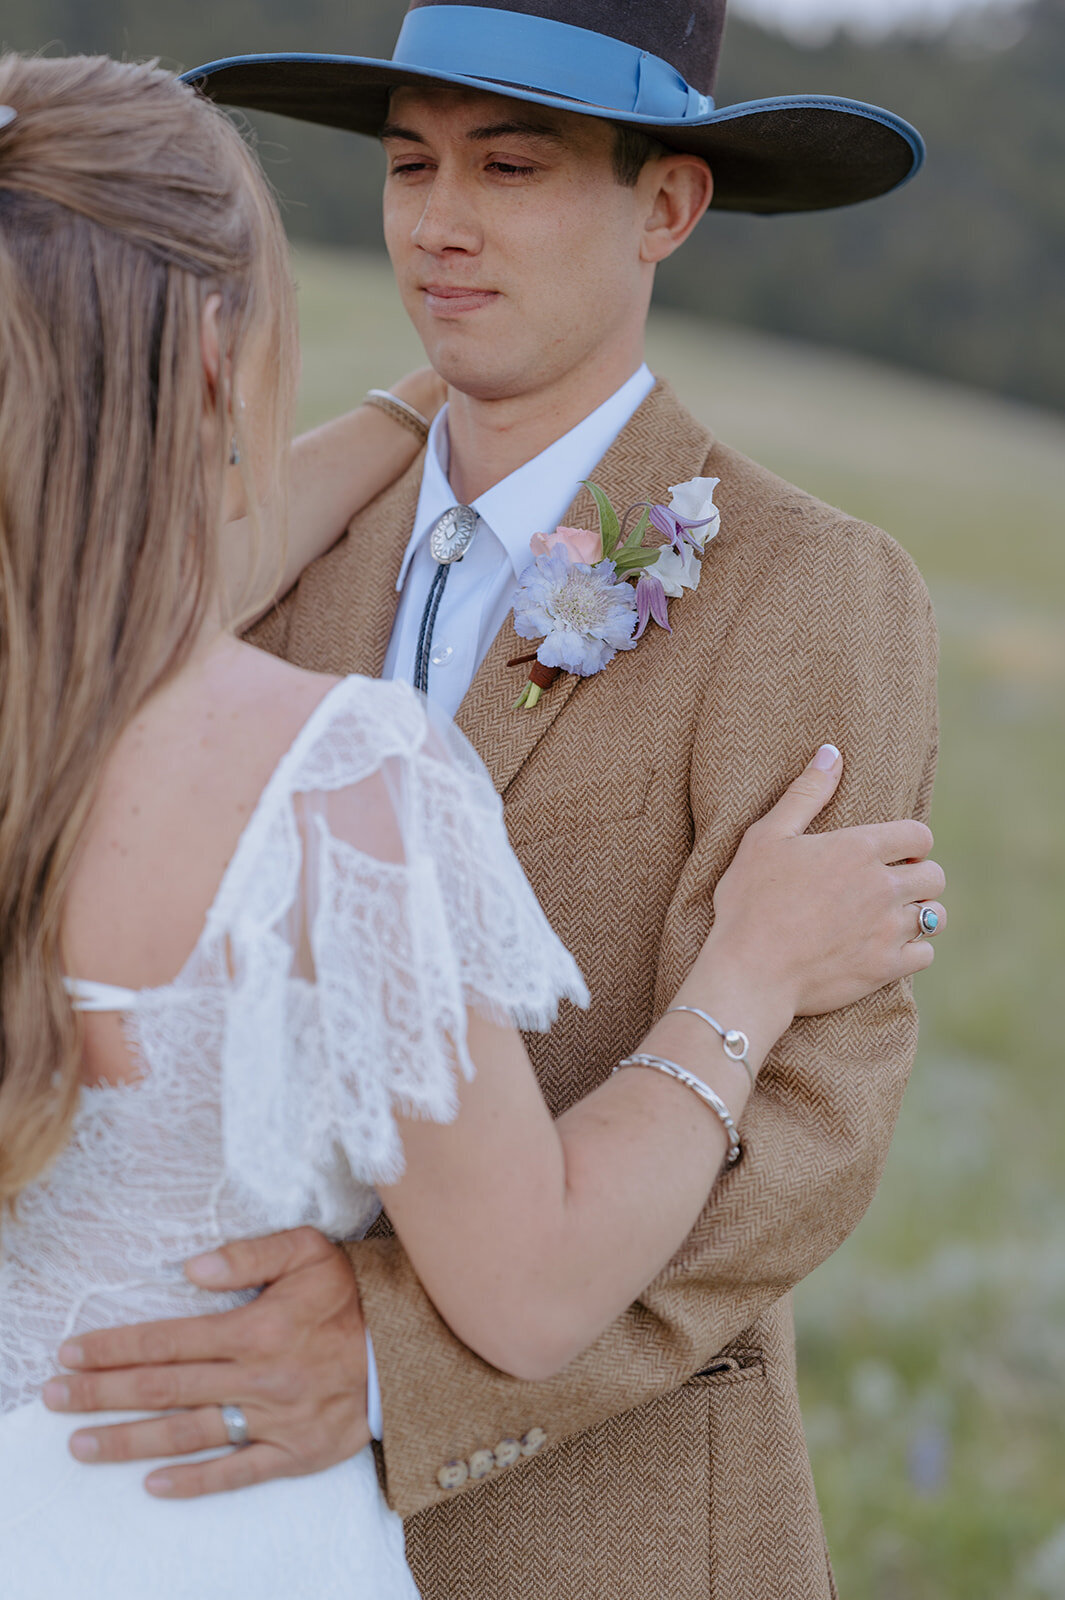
(648, 64)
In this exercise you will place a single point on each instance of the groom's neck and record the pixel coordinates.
(491, 438)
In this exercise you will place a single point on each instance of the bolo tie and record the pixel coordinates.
(448, 543)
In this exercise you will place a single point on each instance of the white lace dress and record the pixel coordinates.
(371, 898)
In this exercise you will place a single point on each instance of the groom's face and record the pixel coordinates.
(515, 247)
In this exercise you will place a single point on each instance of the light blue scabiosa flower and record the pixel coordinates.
(583, 614)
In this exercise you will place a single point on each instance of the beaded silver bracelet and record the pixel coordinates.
(697, 1086)
(399, 411)
(734, 1043)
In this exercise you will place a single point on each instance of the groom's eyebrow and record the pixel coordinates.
(495, 130)
(524, 130)
(392, 130)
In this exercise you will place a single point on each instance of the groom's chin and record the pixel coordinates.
(480, 379)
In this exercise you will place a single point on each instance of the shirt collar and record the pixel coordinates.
(535, 497)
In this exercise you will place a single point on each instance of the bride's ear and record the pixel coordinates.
(211, 346)
(217, 371)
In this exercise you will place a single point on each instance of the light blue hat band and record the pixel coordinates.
(508, 47)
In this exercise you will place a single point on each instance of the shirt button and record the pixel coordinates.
(442, 655)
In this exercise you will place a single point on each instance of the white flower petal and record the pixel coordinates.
(676, 571)
(694, 501)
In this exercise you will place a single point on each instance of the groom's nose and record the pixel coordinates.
(449, 218)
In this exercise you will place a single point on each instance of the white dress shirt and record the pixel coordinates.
(480, 588)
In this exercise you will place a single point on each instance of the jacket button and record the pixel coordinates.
(534, 1440)
(453, 1475)
(481, 1464)
(507, 1452)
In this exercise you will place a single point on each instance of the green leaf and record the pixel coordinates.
(634, 560)
(632, 542)
(609, 525)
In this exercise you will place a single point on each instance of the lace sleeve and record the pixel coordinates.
(412, 908)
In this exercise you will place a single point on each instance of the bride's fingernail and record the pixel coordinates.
(208, 1269)
(158, 1483)
(56, 1393)
(84, 1447)
(826, 758)
(71, 1355)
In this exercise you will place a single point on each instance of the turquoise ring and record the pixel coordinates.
(927, 922)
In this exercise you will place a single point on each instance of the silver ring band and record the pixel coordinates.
(236, 1425)
(927, 923)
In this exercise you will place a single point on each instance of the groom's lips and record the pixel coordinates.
(445, 300)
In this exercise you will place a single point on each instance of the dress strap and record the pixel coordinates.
(88, 996)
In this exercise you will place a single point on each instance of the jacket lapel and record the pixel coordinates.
(662, 444)
(346, 602)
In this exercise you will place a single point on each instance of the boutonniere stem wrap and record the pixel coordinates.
(589, 594)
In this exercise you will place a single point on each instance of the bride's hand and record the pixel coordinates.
(825, 918)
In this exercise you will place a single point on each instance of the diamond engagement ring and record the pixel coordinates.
(927, 922)
(236, 1425)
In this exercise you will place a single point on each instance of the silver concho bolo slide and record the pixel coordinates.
(448, 543)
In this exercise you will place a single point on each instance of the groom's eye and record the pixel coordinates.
(510, 169)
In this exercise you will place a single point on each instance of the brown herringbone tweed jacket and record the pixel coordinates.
(673, 1465)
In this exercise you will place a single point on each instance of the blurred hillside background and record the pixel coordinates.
(905, 360)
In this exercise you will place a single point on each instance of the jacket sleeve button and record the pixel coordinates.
(534, 1440)
(507, 1452)
(481, 1464)
(453, 1475)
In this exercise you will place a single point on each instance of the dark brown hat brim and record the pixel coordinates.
(800, 153)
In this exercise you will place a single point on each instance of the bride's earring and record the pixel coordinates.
(234, 448)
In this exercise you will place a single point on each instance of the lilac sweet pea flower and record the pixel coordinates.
(585, 614)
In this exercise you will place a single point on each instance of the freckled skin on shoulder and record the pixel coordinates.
(188, 770)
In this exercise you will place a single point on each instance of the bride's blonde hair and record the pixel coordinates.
(126, 201)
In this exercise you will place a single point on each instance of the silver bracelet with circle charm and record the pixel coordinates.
(734, 1043)
(697, 1086)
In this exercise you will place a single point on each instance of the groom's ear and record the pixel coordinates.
(675, 190)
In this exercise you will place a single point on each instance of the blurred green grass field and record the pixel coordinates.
(932, 1346)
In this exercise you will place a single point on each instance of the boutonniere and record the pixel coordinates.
(590, 594)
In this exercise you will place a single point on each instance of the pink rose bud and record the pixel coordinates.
(580, 544)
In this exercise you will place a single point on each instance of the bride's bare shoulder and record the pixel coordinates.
(281, 687)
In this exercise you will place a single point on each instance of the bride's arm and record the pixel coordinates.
(337, 469)
(531, 1236)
